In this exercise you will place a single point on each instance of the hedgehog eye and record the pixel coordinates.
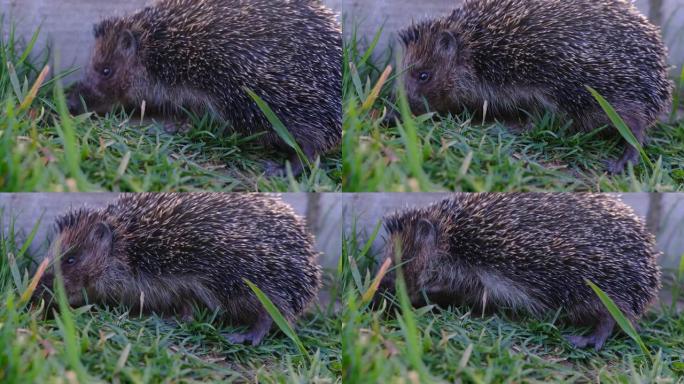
(424, 77)
(106, 72)
(70, 260)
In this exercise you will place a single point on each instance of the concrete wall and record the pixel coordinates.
(368, 209)
(322, 211)
(394, 15)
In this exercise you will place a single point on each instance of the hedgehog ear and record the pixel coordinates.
(128, 43)
(426, 233)
(100, 28)
(101, 234)
(448, 42)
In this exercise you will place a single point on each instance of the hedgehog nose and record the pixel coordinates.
(74, 103)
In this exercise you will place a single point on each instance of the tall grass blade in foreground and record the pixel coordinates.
(409, 326)
(620, 319)
(65, 321)
(621, 126)
(279, 127)
(278, 318)
(676, 98)
(678, 283)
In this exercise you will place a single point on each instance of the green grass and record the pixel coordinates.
(433, 153)
(428, 344)
(102, 344)
(43, 148)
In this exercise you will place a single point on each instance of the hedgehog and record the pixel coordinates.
(169, 253)
(528, 253)
(515, 59)
(201, 56)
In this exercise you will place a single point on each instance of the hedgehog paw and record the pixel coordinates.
(177, 127)
(253, 337)
(615, 167)
(631, 155)
(255, 334)
(598, 338)
(598, 341)
(274, 169)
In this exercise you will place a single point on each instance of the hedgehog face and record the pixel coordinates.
(114, 71)
(83, 257)
(434, 70)
(415, 246)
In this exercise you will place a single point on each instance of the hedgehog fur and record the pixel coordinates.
(166, 253)
(201, 55)
(526, 57)
(528, 252)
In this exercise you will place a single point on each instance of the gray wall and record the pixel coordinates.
(368, 209)
(370, 15)
(322, 211)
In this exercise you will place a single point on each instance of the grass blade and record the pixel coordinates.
(370, 292)
(278, 126)
(409, 326)
(29, 238)
(375, 92)
(26, 296)
(277, 317)
(33, 92)
(620, 318)
(65, 321)
(620, 125)
(676, 98)
(677, 286)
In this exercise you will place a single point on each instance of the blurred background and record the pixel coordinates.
(664, 214)
(323, 213)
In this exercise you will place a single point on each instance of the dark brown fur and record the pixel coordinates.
(200, 55)
(529, 253)
(529, 56)
(166, 253)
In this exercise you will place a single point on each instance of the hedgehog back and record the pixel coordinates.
(550, 243)
(562, 46)
(288, 52)
(219, 239)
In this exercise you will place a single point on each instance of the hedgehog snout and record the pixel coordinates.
(44, 285)
(74, 103)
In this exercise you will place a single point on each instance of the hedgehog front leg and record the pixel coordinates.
(173, 127)
(603, 330)
(274, 169)
(631, 154)
(256, 332)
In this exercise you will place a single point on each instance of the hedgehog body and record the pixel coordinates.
(166, 253)
(531, 253)
(522, 57)
(202, 55)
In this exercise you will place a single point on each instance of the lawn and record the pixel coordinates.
(446, 153)
(43, 148)
(99, 344)
(433, 345)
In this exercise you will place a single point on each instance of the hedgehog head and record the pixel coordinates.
(436, 66)
(413, 242)
(82, 249)
(115, 70)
